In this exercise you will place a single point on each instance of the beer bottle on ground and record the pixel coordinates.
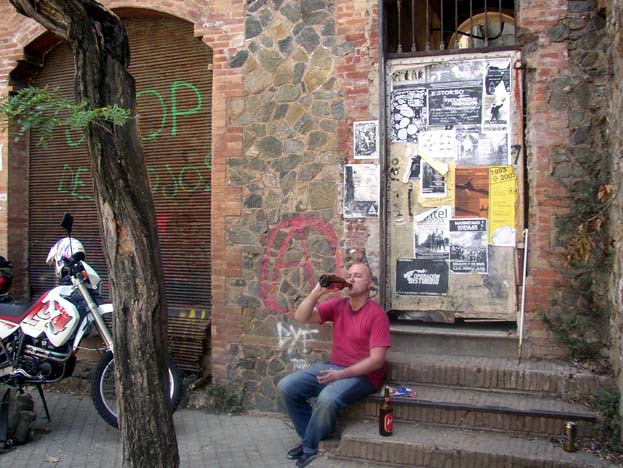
(333, 281)
(386, 415)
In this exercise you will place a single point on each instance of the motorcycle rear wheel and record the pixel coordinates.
(103, 388)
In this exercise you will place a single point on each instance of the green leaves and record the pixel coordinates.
(41, 110)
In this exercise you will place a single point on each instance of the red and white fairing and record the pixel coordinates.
(51, 314)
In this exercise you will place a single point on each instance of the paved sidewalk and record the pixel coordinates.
(78, 438)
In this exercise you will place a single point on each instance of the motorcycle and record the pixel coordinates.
(38, 343)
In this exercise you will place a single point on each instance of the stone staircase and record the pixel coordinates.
(477, 405)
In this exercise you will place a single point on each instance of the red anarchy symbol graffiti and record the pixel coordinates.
(296, 229)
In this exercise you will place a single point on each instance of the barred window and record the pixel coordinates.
(424, 26)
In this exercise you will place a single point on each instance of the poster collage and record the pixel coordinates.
(454, 120)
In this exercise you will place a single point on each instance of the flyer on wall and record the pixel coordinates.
(502, 200)
(361, 191)
(497, 94)
(421, 277)
(431, 235)
(468, 246)
(409, 114)
(471, 184)
(432, 182)
(366, 139)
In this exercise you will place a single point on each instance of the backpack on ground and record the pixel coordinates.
(17, 417)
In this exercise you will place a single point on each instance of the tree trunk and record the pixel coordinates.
(127, 224)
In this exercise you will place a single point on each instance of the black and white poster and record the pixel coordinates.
(431, 236)
(437, 144)
(460, 104)
(361, 191)
(468, 245)
(366, 140)
(496, 102)
(412, 170)
(455, 71)
(467, 143)
(433, 183)
(409, 114)
(421, 277)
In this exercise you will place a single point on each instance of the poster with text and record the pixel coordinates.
(457, 105)
(502, 200)
(361, 191)
(468, 246)
(409, 114)
(496, 101)
(471, 184)
(366, 139)
(432, 182)
(421, 277)
(431, 235)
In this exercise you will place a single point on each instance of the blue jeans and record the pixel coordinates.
(318, 422)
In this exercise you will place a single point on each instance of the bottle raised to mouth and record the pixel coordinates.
(333, 281)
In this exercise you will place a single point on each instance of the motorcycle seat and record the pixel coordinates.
(13, 312)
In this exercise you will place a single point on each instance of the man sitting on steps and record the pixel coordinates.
(356, 366)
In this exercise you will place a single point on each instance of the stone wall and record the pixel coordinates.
(308, 72)
(563, 44)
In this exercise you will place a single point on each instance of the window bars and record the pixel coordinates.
(420, 26)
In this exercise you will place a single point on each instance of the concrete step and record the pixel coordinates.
(424, 445)
(471, 339)
(484, 410)
(546, 378)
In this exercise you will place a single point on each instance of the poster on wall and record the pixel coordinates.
(468, 246)
(431, 235)
(366, 139)
(361, 191)
(409, 113)
(471, 185)
(432, 181)
(456, 71)
(421, 277)
(502, 199)
(438, 144)
(496, 101)
(458, 105)
(493, 148)
(412, 169)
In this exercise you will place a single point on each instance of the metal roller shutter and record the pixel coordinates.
(173, 76)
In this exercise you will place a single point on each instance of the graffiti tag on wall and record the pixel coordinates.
(281, 239)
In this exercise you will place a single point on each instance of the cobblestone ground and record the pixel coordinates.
(78, 438)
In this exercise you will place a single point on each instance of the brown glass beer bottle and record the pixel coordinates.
(333, 281)
(386, 415)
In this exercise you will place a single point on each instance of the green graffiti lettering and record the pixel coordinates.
(163, 106)
(174, 110)
(154, 183)
(78, 183)
(67, 172)
(70, 141)
(166, 192)
(197, 174)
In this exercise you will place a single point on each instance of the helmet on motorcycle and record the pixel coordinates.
(62, 251)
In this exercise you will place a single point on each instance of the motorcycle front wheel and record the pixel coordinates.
(104, 391)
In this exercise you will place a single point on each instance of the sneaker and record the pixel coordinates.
(306, 459)
(295, 453)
